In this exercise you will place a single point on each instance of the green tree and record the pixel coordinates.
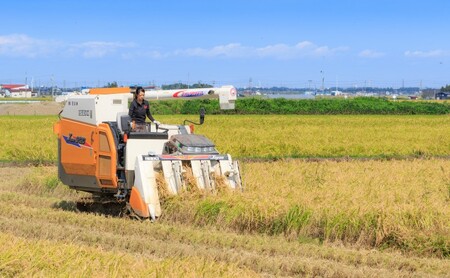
(446, 88)
(199, 84)
(429, 93)
(180, 85)
(174, 86)
(112, 85)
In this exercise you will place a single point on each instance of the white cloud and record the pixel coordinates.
(427, 54)
(278, 51)
(232, 50)
(301, 49)
(304, 44)
(22, 45)
(138, 54)
(368, 53)
(19, 45)
(326, 51)
(99, 49)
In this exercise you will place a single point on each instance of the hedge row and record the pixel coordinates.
(354, 106)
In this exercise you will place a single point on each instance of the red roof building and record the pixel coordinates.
(15, 90)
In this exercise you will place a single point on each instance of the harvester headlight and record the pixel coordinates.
(190, 149)
(211, 149)
(198, 149)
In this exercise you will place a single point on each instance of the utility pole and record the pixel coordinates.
(52, 79)
(337, 84)
(323, 81)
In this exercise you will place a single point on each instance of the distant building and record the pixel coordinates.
(336, 93)
(442, 95)
(429, 93)
(15, 90)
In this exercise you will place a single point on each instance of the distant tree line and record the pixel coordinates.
(429, 93)
(351, 90)
(426, 93)
(353, 106)
(173, 86)
(446, 88)
(180, 85)
(111, 85)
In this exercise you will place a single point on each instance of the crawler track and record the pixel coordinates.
(102, 206)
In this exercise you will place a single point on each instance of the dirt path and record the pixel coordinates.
(38, 108)
(11, 175)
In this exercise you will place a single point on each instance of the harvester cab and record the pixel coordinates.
(99, 151)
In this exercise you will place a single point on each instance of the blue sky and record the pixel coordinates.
(274, 43)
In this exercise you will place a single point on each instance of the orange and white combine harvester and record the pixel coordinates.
(98, 151)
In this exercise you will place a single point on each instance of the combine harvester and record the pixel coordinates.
(100, 153)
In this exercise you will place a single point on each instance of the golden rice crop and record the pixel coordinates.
(26, 138)
(329, 135)
(389, 204)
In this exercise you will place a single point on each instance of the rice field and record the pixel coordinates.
(26, 138)
(396, 204)
(329, 136)
(330, 196)
(43, 235)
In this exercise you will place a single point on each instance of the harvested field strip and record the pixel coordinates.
(47, 258)
(269, 255)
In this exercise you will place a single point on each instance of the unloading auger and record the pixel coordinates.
(99, 152)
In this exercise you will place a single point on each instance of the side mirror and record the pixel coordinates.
(202, 118)
(202, 115)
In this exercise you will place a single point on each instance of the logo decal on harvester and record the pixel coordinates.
(85, 113)
(78, 141)
(188, 94)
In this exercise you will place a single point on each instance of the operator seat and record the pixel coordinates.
(123, 122)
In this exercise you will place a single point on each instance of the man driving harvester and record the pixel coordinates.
(139, 109)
